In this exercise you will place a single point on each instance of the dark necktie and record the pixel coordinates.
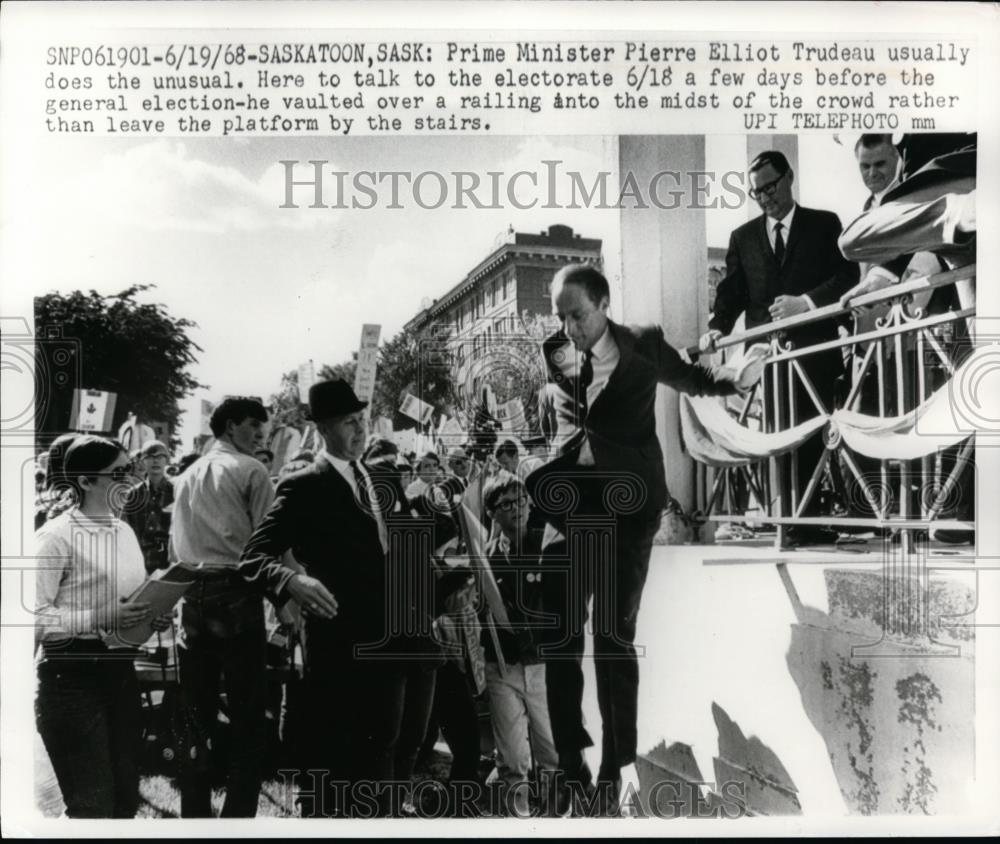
(779, 244)
(365, 502)
(586, 377)
(869, 202)
(364, 491)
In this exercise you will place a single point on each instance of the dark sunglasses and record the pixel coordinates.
(510, 504)
(119, 474)
(768, 189)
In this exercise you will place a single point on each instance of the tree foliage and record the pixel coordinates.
(138, 351)
(413, 362)
(422, 363)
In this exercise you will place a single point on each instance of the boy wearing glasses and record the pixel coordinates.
(518, 702)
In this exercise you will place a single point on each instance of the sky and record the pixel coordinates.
(272, 287)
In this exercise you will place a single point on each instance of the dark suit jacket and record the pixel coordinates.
(621, 424)
(316, 516)
(517, 575)
(813, 265)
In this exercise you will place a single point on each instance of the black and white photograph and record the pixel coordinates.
(500, 414)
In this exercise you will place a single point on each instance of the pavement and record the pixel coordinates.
(720, 633)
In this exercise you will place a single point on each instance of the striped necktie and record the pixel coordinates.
(586, 378)
(365, 502)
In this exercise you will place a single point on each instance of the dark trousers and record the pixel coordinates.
(224, 639)
(89, 716)
(398, 703)
(365, 724)
(455, 715)
(607, 560)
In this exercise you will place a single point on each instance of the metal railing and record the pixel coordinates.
(891, 369)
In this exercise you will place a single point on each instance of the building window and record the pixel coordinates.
(508, 284)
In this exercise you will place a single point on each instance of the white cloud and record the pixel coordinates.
(160, 186)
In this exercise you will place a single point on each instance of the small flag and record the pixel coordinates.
(416, 409)
(92, 410)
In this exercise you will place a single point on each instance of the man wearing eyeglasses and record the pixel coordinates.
(779, 265)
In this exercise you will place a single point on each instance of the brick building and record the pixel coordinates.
(513, 280)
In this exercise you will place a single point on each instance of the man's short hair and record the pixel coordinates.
(502, 482)
(586, 276)
(235, 410)
(186, 461)
(507, 448)
(873, 140)
(381, 449)
(432, 456)
(776, 159)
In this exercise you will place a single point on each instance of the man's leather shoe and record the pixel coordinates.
(572, 789)
(797, 535)
(608, 797)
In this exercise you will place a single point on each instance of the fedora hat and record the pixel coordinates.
(328, 399)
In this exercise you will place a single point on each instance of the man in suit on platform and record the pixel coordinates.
(370, 656)
(602, 387)
(781, 264)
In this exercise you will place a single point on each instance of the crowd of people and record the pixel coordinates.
(204, 509)
(413, 585)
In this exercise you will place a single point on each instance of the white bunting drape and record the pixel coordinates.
(712, 436)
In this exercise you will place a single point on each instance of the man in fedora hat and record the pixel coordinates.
(370, 657)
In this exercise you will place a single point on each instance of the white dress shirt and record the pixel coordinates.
(218, 503)
(786, 227)
(604, 358)
(877, 197)
(347, 473)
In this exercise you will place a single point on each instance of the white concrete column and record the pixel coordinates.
(664, 268)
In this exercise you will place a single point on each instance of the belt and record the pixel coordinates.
(216, 573)
(77, 649)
